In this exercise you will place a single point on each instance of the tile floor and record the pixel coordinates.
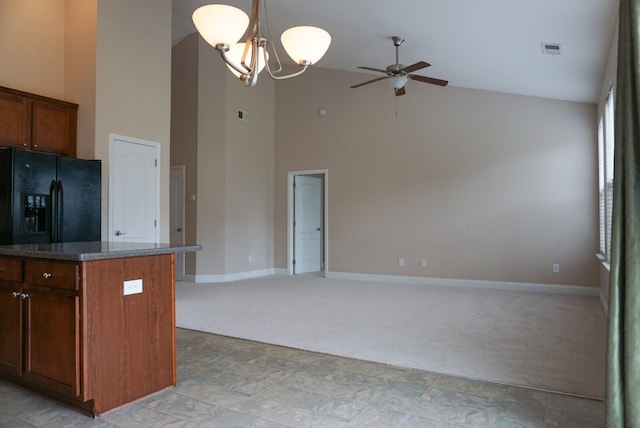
(225, 382)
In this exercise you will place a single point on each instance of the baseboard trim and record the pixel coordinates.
(234, 276)
(604, 303)
(575, 290)
(469, 283)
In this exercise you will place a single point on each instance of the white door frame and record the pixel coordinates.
(290, 216)
(180, 259)
(131, 140)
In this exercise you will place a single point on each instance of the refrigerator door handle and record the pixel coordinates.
(53, 206)
(60, 215)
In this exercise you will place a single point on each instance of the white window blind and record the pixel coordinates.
(605, 167)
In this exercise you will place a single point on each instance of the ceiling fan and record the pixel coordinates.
(399, 75)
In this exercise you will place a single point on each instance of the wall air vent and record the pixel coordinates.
(551, 48)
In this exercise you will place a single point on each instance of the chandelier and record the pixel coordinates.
(222, 26)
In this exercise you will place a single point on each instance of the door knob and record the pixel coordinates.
(178, 229)
(118, 233)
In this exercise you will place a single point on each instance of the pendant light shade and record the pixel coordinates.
(220, 24)
(305, 45)
(235, 56)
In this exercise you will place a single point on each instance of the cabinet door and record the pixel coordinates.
(53, 128)
(52, 345)
(14, 121)
(10, 328)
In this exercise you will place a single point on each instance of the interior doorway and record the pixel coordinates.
(176, 214)
(134, 189)
(307, 222)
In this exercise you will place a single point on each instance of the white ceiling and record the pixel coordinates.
(483, 44)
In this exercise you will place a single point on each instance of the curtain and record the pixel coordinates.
(623, 350)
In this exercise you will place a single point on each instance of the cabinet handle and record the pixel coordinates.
(24, 144)
(24, 296)
(35, 146)
(47, 275)
(15, 294)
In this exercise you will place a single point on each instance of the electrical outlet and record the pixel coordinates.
(401, 262)
(555, 268)
(423, 263)
(133, 286)
(250, 258)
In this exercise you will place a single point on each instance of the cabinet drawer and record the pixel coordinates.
(10, 269)
(51, 274)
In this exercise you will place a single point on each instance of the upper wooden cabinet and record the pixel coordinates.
(34, 122)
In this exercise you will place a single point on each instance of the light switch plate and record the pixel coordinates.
(133, 286)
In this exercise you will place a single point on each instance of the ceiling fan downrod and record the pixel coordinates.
(395, 68)
(397, 41)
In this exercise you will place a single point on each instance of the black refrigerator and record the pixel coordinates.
(47, 198)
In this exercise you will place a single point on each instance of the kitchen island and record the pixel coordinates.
(91, 324)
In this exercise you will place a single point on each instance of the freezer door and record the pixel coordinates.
(32, 174)
(79, 182)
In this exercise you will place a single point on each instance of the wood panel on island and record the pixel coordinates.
(73, 327)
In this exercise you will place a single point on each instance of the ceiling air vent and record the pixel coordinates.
(551, 48)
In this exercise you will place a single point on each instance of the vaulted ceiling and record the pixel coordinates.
(492, 45)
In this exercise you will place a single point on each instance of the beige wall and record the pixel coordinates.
(32, 46)
(229, 163)
(249, 164)
(482, 185)
(184, 131)
(111, 57)
(80, 69)
(133, 84)
(211, 221)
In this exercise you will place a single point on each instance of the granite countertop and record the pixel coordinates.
(81, 251)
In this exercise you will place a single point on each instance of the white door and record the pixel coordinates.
(134, 183)
(308, 197)
(176, 216)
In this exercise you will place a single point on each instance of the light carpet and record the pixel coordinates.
(545, 341)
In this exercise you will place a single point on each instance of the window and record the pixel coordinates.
(605, 161)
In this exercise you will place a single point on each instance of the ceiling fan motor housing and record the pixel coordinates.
(395, 68)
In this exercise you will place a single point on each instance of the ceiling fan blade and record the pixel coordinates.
(369, 81)
(373, 69)
(431, 80)
(415, 67)
(400, 91)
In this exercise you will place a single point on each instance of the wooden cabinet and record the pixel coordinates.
(34, 122)
(40, 325)
(52, 325)
(10, 316)
(68, 329)
(11, 331)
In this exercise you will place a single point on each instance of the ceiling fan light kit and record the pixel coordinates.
(397, 81)
(397, 75)
(222, 26)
